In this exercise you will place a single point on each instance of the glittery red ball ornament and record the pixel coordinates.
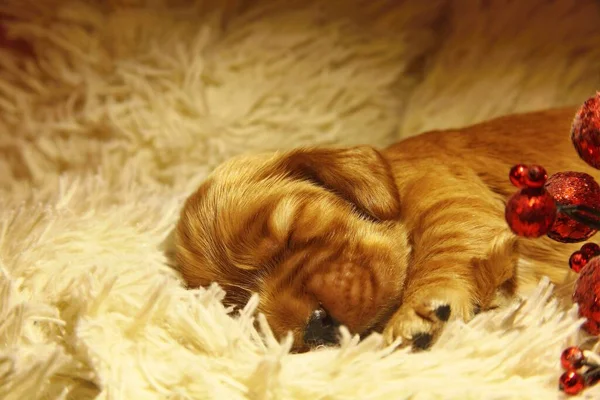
(572, 187)
(572, 358)
(571, 382)
(587, 295)
(530, 212)
(567, 189)
(585, 131)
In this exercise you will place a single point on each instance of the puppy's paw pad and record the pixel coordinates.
(422, 341)
(419, 323)
(443, 312)
(416, 326)
(435, 311)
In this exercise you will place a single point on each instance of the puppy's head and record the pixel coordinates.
(315, 232)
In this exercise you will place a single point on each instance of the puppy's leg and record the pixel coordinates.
(463, 253)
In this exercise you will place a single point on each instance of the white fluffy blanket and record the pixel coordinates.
(125, 106)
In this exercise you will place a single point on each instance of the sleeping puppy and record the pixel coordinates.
(399, 240)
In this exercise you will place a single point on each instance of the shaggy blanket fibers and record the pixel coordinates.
(112, 112)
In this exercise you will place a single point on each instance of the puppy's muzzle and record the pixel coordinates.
(321, 329)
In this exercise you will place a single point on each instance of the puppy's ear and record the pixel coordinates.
(360, 175)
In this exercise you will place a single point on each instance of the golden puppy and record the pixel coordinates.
(399, 240)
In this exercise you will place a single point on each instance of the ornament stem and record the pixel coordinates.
(591, 365)
(583, 214)
(592, 376)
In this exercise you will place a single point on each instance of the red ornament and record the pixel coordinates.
(572, 358)
(590, 250)
(578, 260)
(530, 212)
(536, 176)
(518, 175)
(587, 295)
(585, 131)
(571, 383)
(581, 257)
(567, 189)
(523, 176)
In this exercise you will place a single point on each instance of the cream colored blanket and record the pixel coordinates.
(121, 108)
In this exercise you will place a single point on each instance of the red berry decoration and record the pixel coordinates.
(530, 212)
(585, 131)
(571, 383)
(536, 176)
(581, 257)
(587, 295)
(566, 208)
(569, 189)
(590, 250)
(572, 358)
(518, 175)
(523, 176)
(578, 260)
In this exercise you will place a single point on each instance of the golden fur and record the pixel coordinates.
(391, 240)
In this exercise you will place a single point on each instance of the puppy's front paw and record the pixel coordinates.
(419, 320)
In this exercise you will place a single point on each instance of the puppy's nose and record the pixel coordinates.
(321, 329)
